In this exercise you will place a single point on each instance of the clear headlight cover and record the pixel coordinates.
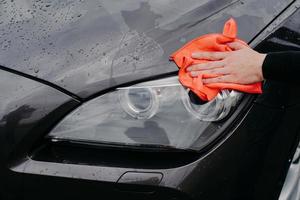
(155, 113)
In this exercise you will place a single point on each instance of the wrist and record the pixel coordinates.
(260, 59)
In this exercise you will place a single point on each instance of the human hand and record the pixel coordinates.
(243, 65)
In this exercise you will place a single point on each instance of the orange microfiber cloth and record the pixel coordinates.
(209, 42)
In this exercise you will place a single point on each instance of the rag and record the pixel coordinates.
(210, 42)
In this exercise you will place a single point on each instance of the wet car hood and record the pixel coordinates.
(89, 46)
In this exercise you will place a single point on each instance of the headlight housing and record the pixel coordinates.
(158, 113)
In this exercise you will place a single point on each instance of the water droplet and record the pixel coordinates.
(136, 58)
(36, 70)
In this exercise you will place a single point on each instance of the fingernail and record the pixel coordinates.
(193, 73)
(189, 69)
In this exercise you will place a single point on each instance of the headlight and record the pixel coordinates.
(154, 113)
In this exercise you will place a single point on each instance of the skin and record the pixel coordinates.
(243, 65)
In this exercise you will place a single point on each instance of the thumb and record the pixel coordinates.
(236, 45)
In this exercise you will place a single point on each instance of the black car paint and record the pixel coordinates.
(25, 102)
(88, 46)
(249, 163)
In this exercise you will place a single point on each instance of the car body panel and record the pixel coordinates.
(250, 161)
(25, 105)
(86, 47)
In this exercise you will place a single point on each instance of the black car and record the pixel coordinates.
(91, 106)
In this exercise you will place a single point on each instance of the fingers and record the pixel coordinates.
(219, 79)
(236, 45)
(217, 71)
(209, 55)
(205, 66)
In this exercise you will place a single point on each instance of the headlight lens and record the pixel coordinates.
(155, 113)
(140, 103)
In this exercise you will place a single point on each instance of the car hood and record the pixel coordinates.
(86, 47)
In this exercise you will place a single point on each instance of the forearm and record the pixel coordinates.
(282, 66)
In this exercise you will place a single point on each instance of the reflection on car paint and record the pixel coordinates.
(81, 45)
